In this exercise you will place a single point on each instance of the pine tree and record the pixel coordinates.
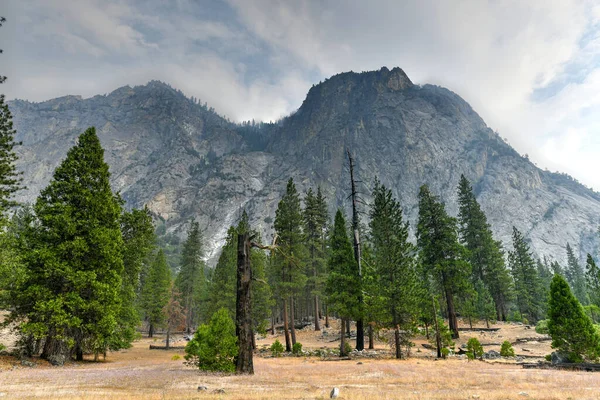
(315, 225)
(571, 329)
(442, 256)
(191, 280)
(396, 287)
(173, 313)
(221, 291)
(528, 289)
(592, 276)
(10, 180)
(290, 256)
(70, 297)
(139, 241)
(485, 253)
(155, 293)
(576, 276)
(343, 285)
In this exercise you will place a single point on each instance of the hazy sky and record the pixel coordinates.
(530, 68)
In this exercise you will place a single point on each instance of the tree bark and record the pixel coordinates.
(243, 316)
(452, 321)
(168, 343)
(317, 322)
(326, 317)
(292, 321)
(343, 338)
(397, 342)
(286, 327)
(371, 341)
(438, 339)
(151, 330)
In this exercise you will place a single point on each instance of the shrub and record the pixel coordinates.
(542, 327)
(474, 349)
(2, 347)
(347, 348)
(214, 346)
(507, 349)
(297, 348)
(176, 357)
(276, 348)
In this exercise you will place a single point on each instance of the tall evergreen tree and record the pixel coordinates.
(592, 275)
(396, 287)
(155, 293)
(576, 276)
(70, 297)
(528, 289)
(485, 253)
(343, 285)
(571, 329)
(442, 256)
(10, 180)
(290, 257)
(191, 280)
(315, 225)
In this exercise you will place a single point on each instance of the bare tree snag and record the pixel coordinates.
(243, 325)
(360, 331)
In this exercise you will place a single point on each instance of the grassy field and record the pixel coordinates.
(139, 373)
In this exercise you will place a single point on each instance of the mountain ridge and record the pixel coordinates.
(186, 161)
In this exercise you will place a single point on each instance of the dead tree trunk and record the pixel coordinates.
(243, 318)
(360, 331)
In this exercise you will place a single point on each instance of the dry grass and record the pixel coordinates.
(139, 373)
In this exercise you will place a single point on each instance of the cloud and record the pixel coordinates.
(531, 69)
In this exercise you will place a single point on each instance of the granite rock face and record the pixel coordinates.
(184, 161)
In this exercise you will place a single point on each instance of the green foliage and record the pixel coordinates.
(571, 330)
(507, 350)
(176, 357)
(528, 288)
(74, 261)
(214, 346)
(343, 285)
(593, 311)
(445, 337)
(10, 180)
(155, 293)
(347, 348)
(576, 276)
(297, 349)
(2, 347)
(592, 277)
(395, 291)
(276, 348)
(474, 349)
(542, 327)
(485, 253)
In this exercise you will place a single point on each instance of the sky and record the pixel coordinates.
(530, 68)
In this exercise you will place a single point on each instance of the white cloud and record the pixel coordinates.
(529, 68)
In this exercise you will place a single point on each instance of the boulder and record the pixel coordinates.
(492, 355)
(58, 360)
(335, 392)
(558, 357)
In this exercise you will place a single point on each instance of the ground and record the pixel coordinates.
(140, 373)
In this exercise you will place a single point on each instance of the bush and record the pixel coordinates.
(214, 346)
(276, 348)
(474, 349)
(2, 347)
(507, 349)
(297, 348)
(176, 357)
(542, 327)
(347, 348)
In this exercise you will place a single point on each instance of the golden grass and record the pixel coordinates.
(139, 373)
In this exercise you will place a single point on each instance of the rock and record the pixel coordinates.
(27, 363)
(492, 355)
(527, 350)
(558, 357)
(57, 360)
(359, 363)
(519, 359)
(475, 396)
(202, 388)
(219, 391)
(524, 394)
(335, 392)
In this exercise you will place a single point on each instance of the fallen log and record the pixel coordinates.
(153, 347)
(478, 329)
(531, 339)
(565, 366)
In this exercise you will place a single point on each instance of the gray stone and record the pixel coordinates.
(335, 392)
(559, 358)
(57, 360)
(491, 355)
(202, 388)
(27, 363)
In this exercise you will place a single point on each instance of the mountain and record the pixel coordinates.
(185, 161)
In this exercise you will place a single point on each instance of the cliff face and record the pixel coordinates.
(185, 161)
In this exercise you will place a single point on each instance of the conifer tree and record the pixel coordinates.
(485, 253)
(10, 180)
(139, 240)
(343, 285)
(442, 256)
(528, 290)
(575, 276)
(173, 312)
(571, 329)
(155, 293)
(315, 225)
(396, 287)
(191, 280)
(592, 275)
(288, 260)
(70, 297)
